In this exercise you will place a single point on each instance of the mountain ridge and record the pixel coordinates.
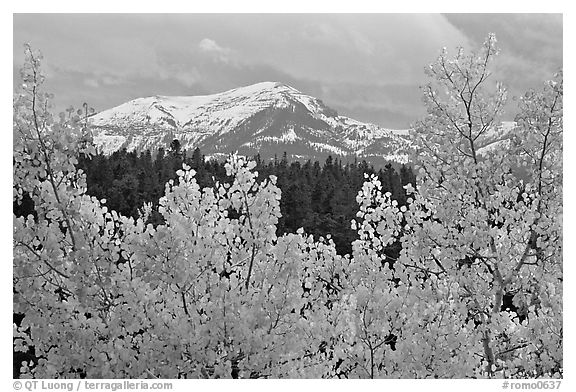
(268, 118)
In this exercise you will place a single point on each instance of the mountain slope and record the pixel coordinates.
(267, 118)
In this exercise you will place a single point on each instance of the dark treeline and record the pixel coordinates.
(321, 198)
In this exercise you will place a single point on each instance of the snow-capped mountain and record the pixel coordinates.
(267, 118)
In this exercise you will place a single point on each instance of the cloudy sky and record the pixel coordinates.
(366, 66)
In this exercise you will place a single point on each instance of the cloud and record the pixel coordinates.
(531, 44)
(111, 80)
(391, 105)
(189, 77)
(91, 83)
(322, 34)
(524, 34)
(97, 80)
(360, 48)
(208, 45)
(367, 66)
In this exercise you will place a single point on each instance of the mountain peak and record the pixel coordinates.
(272, 87)
(267, 85)
(267, 118)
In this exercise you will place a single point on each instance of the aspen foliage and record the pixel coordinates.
(213, 292)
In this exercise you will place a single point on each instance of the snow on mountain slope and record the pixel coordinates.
(269, 118)
(496, 138)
